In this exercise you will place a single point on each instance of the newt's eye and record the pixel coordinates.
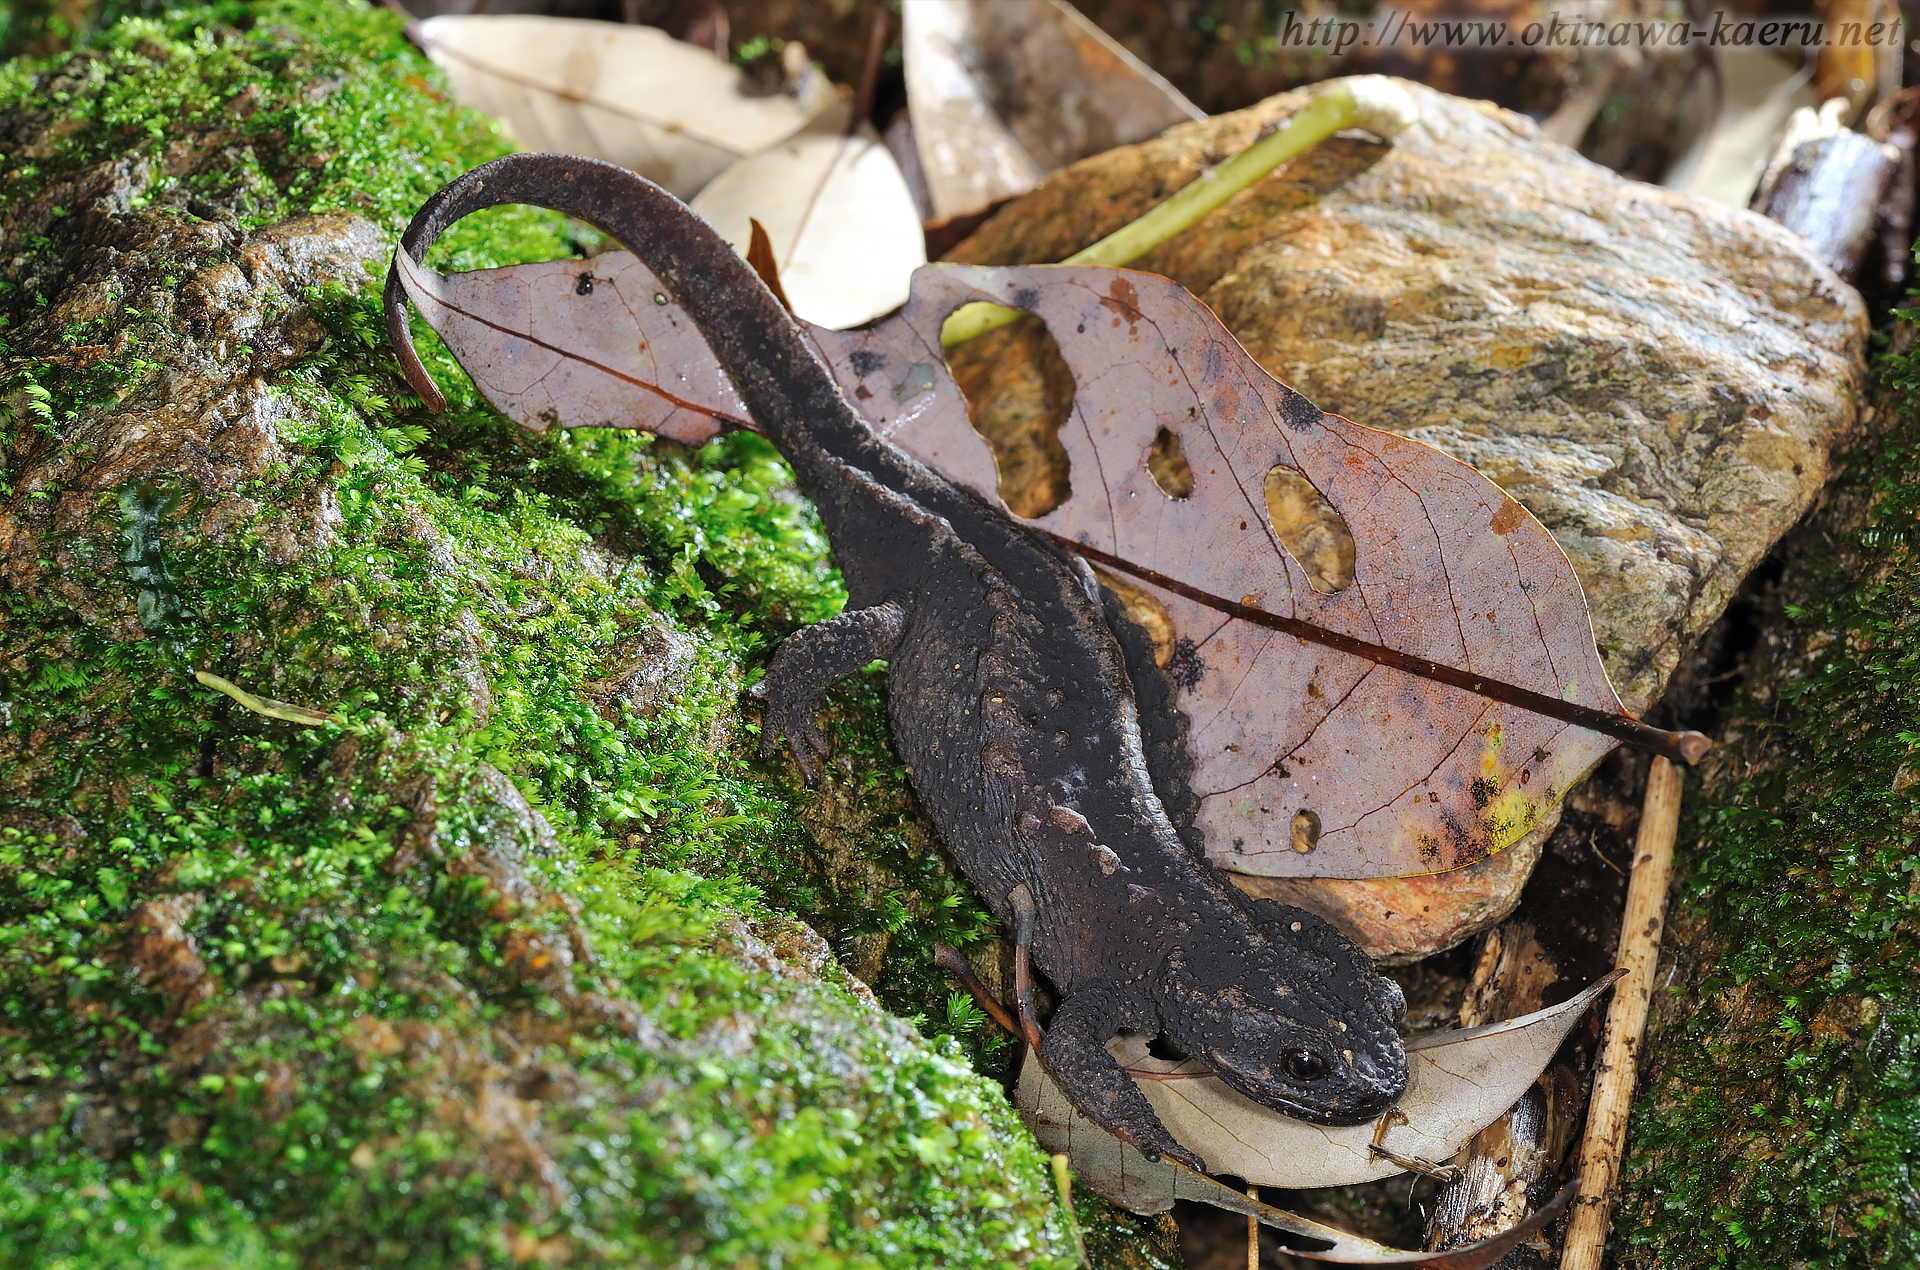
(1303, 1065)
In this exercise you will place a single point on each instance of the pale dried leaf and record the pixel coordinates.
(631, 95)
(1459, 1082)
(1728, 154)
(845, 234)
(1004, 91)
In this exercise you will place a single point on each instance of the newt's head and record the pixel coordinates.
(1296, 1018)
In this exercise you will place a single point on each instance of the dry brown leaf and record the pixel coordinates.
(1307, 760)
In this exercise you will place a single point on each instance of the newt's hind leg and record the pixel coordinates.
(810, 661)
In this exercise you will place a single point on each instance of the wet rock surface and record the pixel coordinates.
(1659, 379)
(185, 458)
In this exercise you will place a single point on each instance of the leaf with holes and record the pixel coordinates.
(1384, 663)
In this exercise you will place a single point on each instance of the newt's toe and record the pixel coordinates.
(1180, 1155)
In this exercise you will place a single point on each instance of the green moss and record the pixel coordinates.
(61, 1206)
(316, 107)
(1780, 1116)
(282, 995)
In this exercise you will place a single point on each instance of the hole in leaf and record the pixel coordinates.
(1167, 462)
(1305, 831)
(1019, 392)
(1162, 1047)
(1145, 611)
(1313, 533)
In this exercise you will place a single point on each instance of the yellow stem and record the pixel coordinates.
(1333, 108)
(282, 710)
(1063, 1183)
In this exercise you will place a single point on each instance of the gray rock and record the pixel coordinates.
(1659, 379)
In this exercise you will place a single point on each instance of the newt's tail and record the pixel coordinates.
(788, 390)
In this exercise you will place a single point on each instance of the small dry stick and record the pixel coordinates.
(951, 960)
(1253, 1233)
(1446, 1174)
(1626, 1019)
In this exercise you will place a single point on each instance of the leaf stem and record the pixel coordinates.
(1367, 101)
(1678, 747)
(1063, 1182)
(283, 710)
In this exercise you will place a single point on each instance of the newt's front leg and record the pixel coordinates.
(1075, 1055)
(812, 660)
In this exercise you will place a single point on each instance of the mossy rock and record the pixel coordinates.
(1777, 1121)
(494, 965)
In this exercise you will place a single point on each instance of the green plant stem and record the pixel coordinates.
(1063, 1182)
(283, 710)
(1332, 109)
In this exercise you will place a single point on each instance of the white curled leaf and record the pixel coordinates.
(631, 95)
(841, 221)
(1459, 1082)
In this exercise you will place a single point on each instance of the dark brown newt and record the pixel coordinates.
(1014, 710)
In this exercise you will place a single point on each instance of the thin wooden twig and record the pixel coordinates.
(1446, 1174)
(955, 963)
(1253, 1233)
(1688, 747)
(1626, 1019)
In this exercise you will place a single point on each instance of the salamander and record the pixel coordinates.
(1015, 711)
